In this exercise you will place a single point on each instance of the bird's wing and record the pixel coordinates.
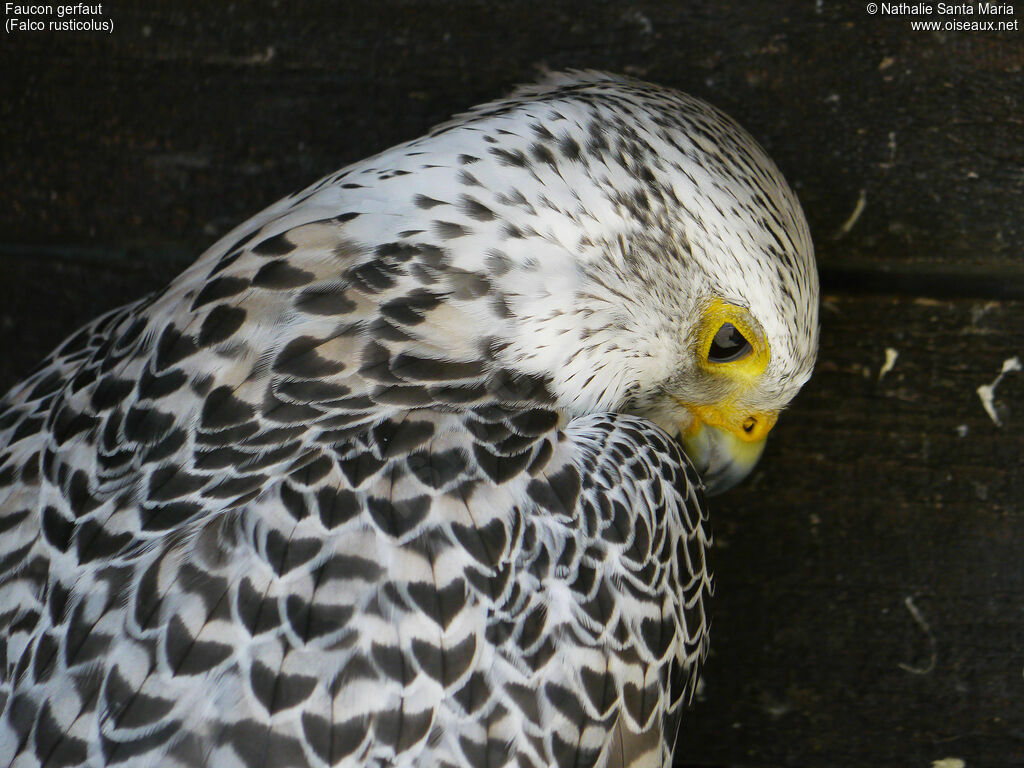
(286, 512)
(443, 588)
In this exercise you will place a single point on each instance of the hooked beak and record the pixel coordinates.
(725, 446)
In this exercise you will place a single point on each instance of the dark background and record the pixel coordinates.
(870, 597)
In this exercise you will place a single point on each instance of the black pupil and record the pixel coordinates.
(728, 345)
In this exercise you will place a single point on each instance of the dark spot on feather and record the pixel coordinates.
(44, 658)
(312, 391)
(532, 627)
(70, 423)
(475, 209)
(282, 412)
(486, 544)
(542, 154)
(222, 322)
(173, 347)
(399, 438)
(333, 741)
(373, 276)
(640, 702)
(233, 488)
(280, 275)
(80, 499)
(171, 482)
(512, 157)
(278, 245)
(155, 387)
(375, 363)
(336, 507)
(539, 658)
(437, 469)
(222, 409)
(473, 694)
(566, 702)
(166, 517)
(412, 308)
(449, 230)
(130, 707)
(534, 422)
(219, 458)
(439, 605)
(256, 745)
(409, 366)
(57, 529)
(310, 621)
(46, 386)
(541, 132)
(219, 288)
(407, 396)
(307, 472)
(361, 467)
(27, 428)
(398, 517)
(389, 661)
(426, 203)
(325, 300)
(225, 262)
(398, 252)
(301, 359)
(93, 542)
(53, 741)
(143, 425)
(258, 612)
(166, 447)
(457, 394)
(278, 691)
(287, 554)
(351, 567)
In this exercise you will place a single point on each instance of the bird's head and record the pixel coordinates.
(683, 290)
(717, 327)
(627, 246)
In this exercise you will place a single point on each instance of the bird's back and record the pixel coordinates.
(343, 553)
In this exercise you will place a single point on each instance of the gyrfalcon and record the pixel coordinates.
(406, 470)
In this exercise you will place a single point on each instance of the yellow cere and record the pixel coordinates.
(748, 427)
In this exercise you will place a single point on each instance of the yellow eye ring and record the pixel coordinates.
(730, 341)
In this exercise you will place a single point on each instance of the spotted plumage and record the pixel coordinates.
(390, 475)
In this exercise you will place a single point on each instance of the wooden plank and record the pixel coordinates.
(869, 595)
(191, 116)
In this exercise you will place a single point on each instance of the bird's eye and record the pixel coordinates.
(728, 345)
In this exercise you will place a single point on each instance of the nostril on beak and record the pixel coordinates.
(749, 424)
